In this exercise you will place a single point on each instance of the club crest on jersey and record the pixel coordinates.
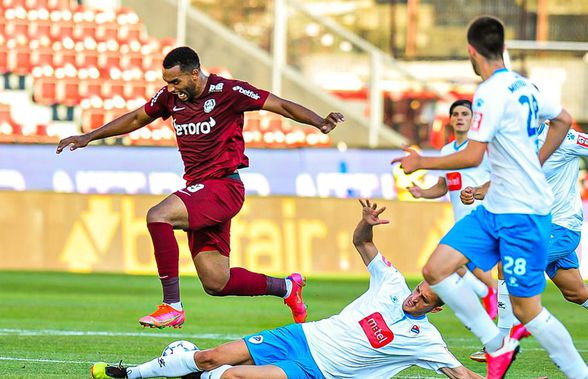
(216, 87)
(209, 105)
(256, 340)
(415, 329)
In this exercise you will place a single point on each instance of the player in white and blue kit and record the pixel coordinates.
(513, 226)
(561, 171)
(452, 182)
(379, 334)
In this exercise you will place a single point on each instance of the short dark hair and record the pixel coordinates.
(184, 57)
(458, 103)
(440, 302)
(486, 35)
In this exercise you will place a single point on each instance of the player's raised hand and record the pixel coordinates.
(371, 213)
(415, 191)
(410, 162)
(467, 195)
(330, 122)
(75, 141)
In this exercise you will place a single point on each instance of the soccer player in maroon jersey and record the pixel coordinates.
(207, 115)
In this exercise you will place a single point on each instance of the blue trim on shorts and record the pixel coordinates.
(519, 240)
(561, 253)
(287, 348)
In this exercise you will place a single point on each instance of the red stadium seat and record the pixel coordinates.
(68, 92)
(109, 59)
(42, 56)
(136, 89)
(45, 90)
(19, 60)
(3, 59)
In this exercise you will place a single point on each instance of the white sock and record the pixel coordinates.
(216, 373)
(475, 284)
(466, 306)
(506, 317)
(556, 340)
(288, 288)
(585, 305)
(177, 306)
(177, 364)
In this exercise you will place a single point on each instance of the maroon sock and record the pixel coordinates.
(167, 255)
(276, 286)
(245, 283)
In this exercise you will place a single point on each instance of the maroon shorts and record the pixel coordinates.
(211, 205)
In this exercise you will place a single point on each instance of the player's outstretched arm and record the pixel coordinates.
(363, 235)
(302, 114)
(460, 372)
(434, 192)
(471, 156)
(122, 125)
(558, 128)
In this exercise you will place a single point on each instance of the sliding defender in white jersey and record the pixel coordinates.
(381, 333)
(453, 181)
(514, 223)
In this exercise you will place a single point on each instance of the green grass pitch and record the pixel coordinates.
(55, 325)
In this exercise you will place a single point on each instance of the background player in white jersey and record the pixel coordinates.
(513, 224)
(453, 181)
(381, 333)
(561, 171)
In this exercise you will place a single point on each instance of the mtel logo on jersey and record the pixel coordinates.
(454, 181)
(246, 92)
(582, 141)
(376, 330)
(191, 128)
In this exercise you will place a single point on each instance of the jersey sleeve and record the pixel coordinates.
(487, 110)
(548, 108)
(157, 106)
(381, 271)
(437, 356)
(247, 97)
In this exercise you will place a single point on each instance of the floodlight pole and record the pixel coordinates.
(279, 45)
(181, 22)
(375, 97)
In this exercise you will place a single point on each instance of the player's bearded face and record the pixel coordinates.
(180, 83)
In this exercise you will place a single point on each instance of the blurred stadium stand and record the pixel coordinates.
(80, 67)
(69, 69)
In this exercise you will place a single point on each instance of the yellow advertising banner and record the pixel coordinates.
(107, 233)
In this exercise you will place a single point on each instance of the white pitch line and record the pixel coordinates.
(133, 364)
(197, 336)
(42, 360)
(156, 334)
